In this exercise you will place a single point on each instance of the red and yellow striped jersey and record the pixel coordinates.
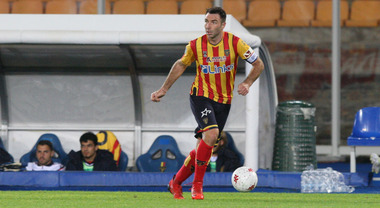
(108, 141)
(216, 65)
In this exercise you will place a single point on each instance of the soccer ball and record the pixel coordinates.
(244, 179)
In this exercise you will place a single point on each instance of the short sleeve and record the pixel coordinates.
(246, 52)
(188, 56)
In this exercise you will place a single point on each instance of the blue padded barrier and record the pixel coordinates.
(30, 179)
(375, 180)
(356, 179)
(279, 179)
(128, 181)
(115, 179)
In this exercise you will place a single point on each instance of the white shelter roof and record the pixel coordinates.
(110, 29)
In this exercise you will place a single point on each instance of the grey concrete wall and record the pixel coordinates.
(302, 63)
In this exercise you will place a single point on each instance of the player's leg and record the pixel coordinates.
(185, 171)
(221, 114)
(218, 115)
(204, 114)
(188, 166)
(203, 155)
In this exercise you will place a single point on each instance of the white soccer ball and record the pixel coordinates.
(244, 179)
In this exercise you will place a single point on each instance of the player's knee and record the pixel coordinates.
(192, 153)
(211, 136)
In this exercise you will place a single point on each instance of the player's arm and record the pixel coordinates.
(257, 68)
(176, 71)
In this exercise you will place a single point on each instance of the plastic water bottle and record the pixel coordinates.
(213, 163)
(323, 181)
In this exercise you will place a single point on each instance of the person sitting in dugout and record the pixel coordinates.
(44, 155)
(90, 157)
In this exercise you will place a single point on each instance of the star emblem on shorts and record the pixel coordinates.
(205, 112)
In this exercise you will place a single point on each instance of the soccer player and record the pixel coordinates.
(44, 153)
(216, 54)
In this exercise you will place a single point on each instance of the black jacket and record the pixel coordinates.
(102, 162)
(227, 161)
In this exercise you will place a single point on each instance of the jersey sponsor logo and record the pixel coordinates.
(248, 53)
(216, 59)
(206, 69)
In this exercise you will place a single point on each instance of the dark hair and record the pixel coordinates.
(89, 136)
(217, 10)
(45, 142)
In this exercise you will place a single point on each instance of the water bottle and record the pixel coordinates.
(213, 163)
(323, 181)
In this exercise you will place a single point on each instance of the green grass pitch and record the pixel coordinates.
(91, 199)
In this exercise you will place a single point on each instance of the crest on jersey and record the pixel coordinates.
(204, 54)
(227, 52)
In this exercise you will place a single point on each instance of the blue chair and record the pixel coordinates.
(163, 156)
(365, 132)
(123, 161)
(60, 156)
(231, 145)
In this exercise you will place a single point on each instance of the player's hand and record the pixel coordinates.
(243, 89)
(157, 95)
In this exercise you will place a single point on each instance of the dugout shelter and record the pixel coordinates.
(68, 74)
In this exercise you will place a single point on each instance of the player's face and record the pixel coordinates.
(214, 27)
(44, 154)
(88, 150)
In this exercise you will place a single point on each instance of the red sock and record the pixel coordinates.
(203, 156)
(187, 169)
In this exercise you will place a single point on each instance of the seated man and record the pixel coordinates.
(222, 158)
(44, 153)
(90, 157)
